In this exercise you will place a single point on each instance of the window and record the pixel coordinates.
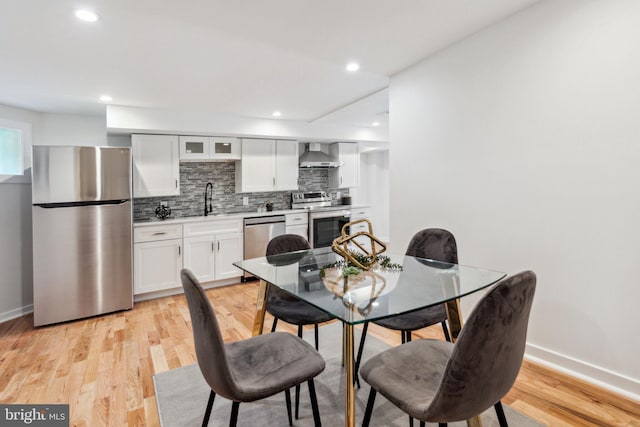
(15, 151)
(11, 158)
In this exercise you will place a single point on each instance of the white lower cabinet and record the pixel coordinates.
(200, 257)
(207, 248)
(211, 248)
(297, 223)
(157, 265)
(361, 213)
(229, 248)
(300, 230)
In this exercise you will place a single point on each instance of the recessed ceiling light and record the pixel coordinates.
(106, 98)
(352, 66)
(86, 15)
(276, 114)
(376, 123)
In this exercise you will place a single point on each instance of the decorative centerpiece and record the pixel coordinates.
(341, 246)
(354, 278)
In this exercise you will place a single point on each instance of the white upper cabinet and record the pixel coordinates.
(347, 175)
(257, 170)
(156, 165)
(267, 165)
(287, 165)
(194, 147)
(206, 148)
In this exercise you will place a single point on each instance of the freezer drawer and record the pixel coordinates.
(81, 261)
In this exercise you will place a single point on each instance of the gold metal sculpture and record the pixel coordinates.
(341, 244)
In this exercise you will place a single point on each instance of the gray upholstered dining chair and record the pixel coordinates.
(251, 369)
(287, 307)
(431, 243)
(438, 381)
(284, 306)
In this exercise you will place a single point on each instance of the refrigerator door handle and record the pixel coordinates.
(77, 204)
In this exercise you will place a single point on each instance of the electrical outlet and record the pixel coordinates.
(245, 201)
(163, 203)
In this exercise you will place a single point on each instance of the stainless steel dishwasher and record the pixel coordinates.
(258, 231)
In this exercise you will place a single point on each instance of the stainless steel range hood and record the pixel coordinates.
(313, 157)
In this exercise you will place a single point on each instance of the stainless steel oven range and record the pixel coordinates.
(325, 224)
(325, 221)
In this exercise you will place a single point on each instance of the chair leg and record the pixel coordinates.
(446, 331)
(442, 424)
(314, 403)
(298, 386)
(359, 356)
(234, 414)
(403, 337)
(410, 421)
(369, 409)
(275, 322)
(422, 423)
(315, 330)
(502, 420)
(297, 400)
(408, 336)
(287, 398)
(207, 413)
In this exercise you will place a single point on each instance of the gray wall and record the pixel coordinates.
(523, 140)
(16, 278)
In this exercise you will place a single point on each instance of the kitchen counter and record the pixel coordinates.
(239, 215)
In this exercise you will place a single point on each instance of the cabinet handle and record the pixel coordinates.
(341, 180)
(211, 246)
(218, 245)
(297, 219)
(176, 183)
(159, 233)
(274, 181)
(179, 250)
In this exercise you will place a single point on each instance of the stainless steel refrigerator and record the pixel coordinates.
(82, 232)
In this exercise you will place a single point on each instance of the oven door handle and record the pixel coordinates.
(324, 215)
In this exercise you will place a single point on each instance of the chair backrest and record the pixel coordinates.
(210, 350)
(287, 243)
(279, 245)
(434, 243)
(486, 358)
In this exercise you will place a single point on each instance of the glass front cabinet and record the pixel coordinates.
(209, 148)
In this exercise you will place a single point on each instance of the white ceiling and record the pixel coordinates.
(242, 57)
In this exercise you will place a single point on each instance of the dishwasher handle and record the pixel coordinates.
(264, 220)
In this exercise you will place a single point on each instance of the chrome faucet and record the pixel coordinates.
(208, 195)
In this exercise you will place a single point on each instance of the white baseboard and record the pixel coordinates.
(601, 377)
(16, 312)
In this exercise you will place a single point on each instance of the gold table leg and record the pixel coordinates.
(258, 321)
(455, 318)
(454, 314)
(350, 394)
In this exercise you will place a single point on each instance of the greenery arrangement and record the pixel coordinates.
(349, 269)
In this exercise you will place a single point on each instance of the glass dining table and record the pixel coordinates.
(404, 285)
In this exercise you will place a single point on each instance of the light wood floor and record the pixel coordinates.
(103, 366)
